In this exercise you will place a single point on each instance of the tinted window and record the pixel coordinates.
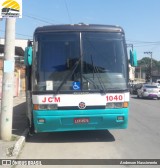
(96, 60)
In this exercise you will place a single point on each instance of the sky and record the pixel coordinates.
(140, 19)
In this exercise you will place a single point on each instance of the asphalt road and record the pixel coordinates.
(140, 141)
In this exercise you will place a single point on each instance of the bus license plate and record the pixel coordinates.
(81, 120)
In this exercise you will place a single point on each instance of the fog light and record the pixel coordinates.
(41, 120)
(120, 118)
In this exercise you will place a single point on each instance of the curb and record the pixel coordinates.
(20, 143)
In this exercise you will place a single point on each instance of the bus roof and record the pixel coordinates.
(79, 27)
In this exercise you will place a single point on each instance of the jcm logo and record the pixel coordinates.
(11, 8)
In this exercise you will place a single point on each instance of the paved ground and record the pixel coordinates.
(141, 140)
(19, 126)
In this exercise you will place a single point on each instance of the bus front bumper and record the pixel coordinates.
(72, 120)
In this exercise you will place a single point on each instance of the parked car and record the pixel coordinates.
(158, 85)
(134, 88)
(149, 91)
(158, 81)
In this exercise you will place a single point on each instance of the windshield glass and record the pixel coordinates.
(104, 60)
(75, 61)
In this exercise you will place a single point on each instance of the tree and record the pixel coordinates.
(145, 64)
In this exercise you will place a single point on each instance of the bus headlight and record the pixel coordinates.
(45, 107)
(117, 105)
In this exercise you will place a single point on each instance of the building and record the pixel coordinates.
(18, 42)
(20, 45)
(131, 73)
(136, 75)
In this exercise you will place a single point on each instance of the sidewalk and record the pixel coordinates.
(11, 149)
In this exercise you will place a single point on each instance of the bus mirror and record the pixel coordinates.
(133, 58)
(28, 56)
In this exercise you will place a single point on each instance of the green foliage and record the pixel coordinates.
(145, 64)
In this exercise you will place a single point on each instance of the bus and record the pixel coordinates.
(77, 78)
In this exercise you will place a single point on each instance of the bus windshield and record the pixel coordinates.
(80, 61)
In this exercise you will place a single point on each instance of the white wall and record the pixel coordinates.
(18, 42)
(131, 73)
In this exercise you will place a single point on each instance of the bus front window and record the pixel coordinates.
(57, 54)
(104, 59)
(93, 60)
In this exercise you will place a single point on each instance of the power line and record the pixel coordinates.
(68, 11)
(34, 18)
(136, 45)
(38, 19)
(18, 34)
(139, 43)
(142, 42)
(23, 35)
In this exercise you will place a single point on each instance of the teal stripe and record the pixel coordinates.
(63, 120)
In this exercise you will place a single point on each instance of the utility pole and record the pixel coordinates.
(150, 53)
(8, 81)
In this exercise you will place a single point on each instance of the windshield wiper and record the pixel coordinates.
(69, 74)
(93, 82)
(95, 69)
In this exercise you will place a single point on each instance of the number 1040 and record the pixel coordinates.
(114, 98)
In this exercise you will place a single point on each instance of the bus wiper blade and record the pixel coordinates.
(93, 82)
(69, 74)
(95, 69)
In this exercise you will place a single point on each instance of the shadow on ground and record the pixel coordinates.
(20, 124)
(72, 136)
(19, 119)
